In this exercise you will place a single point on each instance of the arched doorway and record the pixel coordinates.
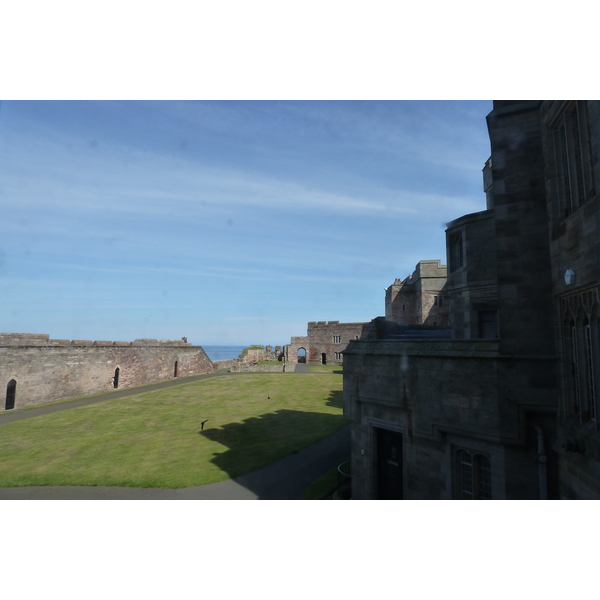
(176, 365)
(116, 379)
(301, 355)
(323, 358)
(11, 392)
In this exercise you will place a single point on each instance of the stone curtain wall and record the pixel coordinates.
(48, 370)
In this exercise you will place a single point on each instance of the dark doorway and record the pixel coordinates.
(11, 392)
(389, 464)
(301, 355)
(323, 358)
(175, 374)
(117, 370)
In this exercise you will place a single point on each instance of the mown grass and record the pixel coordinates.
(337, 369)
(154, 439)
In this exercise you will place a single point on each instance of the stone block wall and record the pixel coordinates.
(443, 396)
(45, 371)
(573, 211)
(327, 340)
(420, 299)
(401, 302)
(257, 353)
(296, 344)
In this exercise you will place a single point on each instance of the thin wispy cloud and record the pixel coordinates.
(290, 211)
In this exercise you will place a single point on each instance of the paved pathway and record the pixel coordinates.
(285, 479)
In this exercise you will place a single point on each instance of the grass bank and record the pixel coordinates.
(154, 439)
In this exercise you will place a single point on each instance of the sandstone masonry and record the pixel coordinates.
(36, 369)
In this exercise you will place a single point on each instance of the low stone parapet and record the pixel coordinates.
(219, 365)
(250, 368)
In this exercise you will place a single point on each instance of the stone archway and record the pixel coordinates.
(301, 355)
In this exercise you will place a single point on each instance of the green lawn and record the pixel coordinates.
(153, 439)
(338, 369)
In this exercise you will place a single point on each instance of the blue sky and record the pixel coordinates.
(228, 222)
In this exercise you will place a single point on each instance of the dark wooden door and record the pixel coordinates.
(389, 464)
(11, 392)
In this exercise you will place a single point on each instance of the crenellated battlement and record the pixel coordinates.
(42, 339)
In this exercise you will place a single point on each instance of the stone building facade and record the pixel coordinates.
(420, 298)
(324, 342)
(36, 369)
(571, 145)
(506, 409)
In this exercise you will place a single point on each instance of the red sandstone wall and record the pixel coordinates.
(46, 373)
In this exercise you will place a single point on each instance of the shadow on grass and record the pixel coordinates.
(312, 442)
(335, 399)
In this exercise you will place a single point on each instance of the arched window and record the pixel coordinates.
(116, 379)
(11, 392)
(473, 476)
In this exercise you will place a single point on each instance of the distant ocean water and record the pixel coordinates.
(223, 352)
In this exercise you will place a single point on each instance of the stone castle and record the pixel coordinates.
(503, 402)
(482, 379)
(38, 369)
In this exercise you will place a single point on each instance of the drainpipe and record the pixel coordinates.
(542, 464)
